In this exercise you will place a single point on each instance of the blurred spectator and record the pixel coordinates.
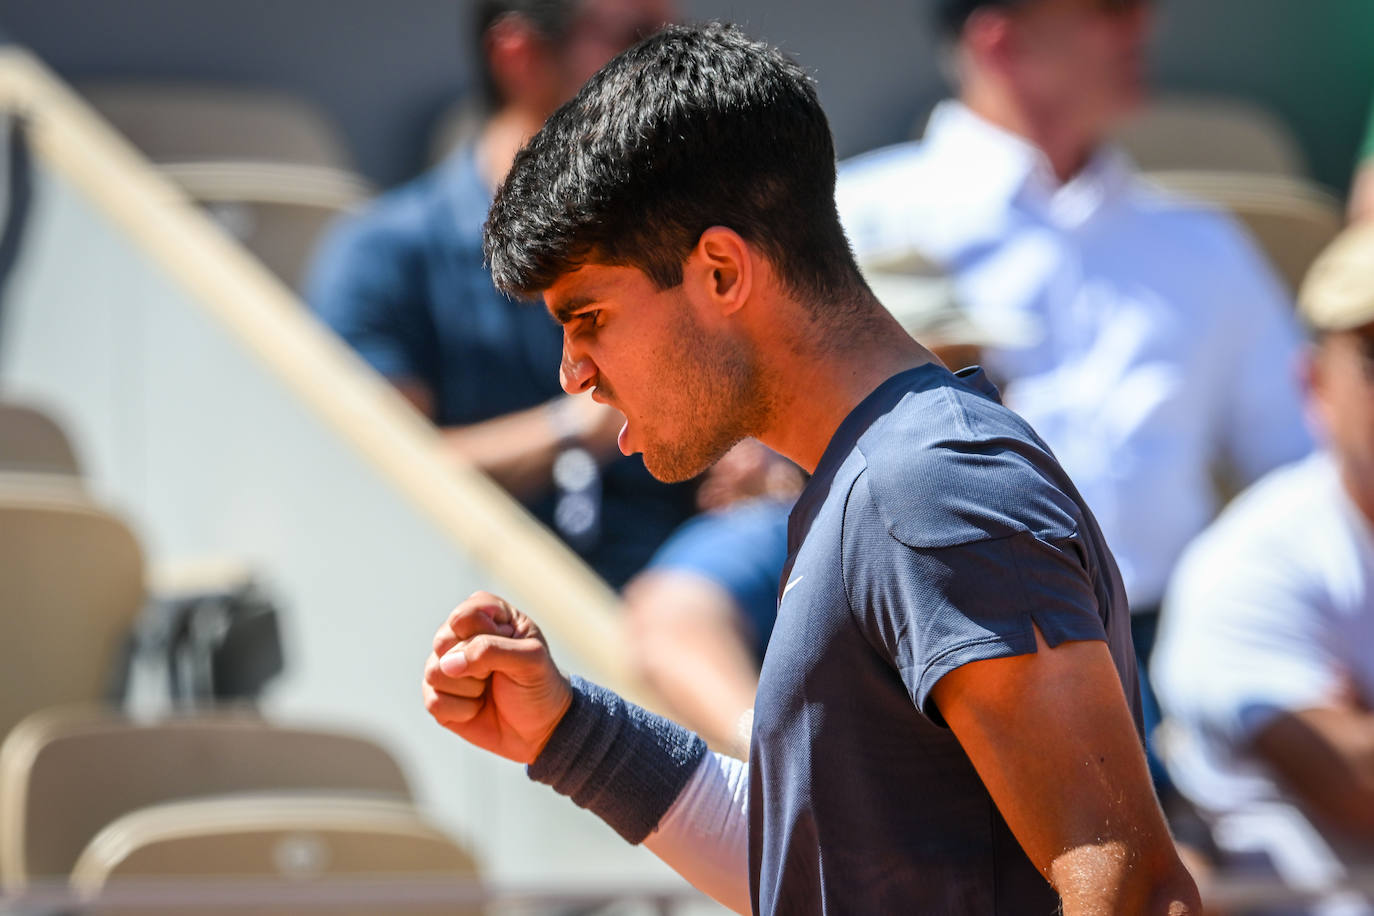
(1265, 665)
(404, 283)
(1362, 190)
(700, 615)
(1167, 342)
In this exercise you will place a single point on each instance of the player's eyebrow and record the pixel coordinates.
(563, 311)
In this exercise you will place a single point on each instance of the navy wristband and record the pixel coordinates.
(618, 760)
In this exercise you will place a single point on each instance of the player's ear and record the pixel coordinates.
(721, 265)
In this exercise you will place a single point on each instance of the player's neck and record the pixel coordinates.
(818, 384)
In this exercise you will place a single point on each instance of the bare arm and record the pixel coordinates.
(518, 450)
(1052, 738)
(1325, 756)
(690, 646)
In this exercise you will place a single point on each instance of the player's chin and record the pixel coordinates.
(674, 463)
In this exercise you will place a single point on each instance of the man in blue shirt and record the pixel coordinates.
(948, 719)
(405, 285)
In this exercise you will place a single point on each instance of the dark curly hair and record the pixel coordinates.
(697, 126)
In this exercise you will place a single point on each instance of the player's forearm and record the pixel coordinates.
(653, 782)
(621, 762)
(1108, 878)
(705, 835)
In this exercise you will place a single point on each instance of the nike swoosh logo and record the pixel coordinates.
(791, 585)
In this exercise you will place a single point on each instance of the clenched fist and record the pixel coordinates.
(490, 679)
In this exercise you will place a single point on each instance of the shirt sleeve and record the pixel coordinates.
(705, 835)
(930, 610)
(363, 284)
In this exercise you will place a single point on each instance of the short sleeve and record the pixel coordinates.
(930, 610)
(363, 284)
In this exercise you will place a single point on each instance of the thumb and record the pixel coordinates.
(479, 657)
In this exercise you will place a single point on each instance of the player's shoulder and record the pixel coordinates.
(948, 465)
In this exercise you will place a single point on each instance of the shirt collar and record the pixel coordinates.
(1012, 171)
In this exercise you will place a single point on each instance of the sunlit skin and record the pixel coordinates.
(687, 386)
(697, 367)
(729, 353)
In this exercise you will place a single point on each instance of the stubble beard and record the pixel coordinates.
(718, 400)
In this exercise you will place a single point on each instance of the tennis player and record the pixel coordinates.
(947, 719)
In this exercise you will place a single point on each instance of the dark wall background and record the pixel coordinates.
(385, 68)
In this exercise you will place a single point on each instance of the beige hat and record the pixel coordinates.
(922, 298)
(1338, 293)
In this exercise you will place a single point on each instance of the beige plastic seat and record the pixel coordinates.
(65, 774)
(32, 442)
(1210, 133)
(275, 839)
(277, 211)
(173, 122)
(1292, 220)
(71, 585)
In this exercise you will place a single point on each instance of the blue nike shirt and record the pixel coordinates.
(936, 531)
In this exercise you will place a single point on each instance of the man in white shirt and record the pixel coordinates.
(1265, 664)
(1166, 342)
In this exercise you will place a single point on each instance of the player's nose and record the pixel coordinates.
(577, 373)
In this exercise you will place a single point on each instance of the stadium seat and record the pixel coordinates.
(65, 774)
(71, 586)
(299, 840)
(178, 122)
(1210, 133)
(31, 442)
(268, 167)
(1291, 219)
(275, 210)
